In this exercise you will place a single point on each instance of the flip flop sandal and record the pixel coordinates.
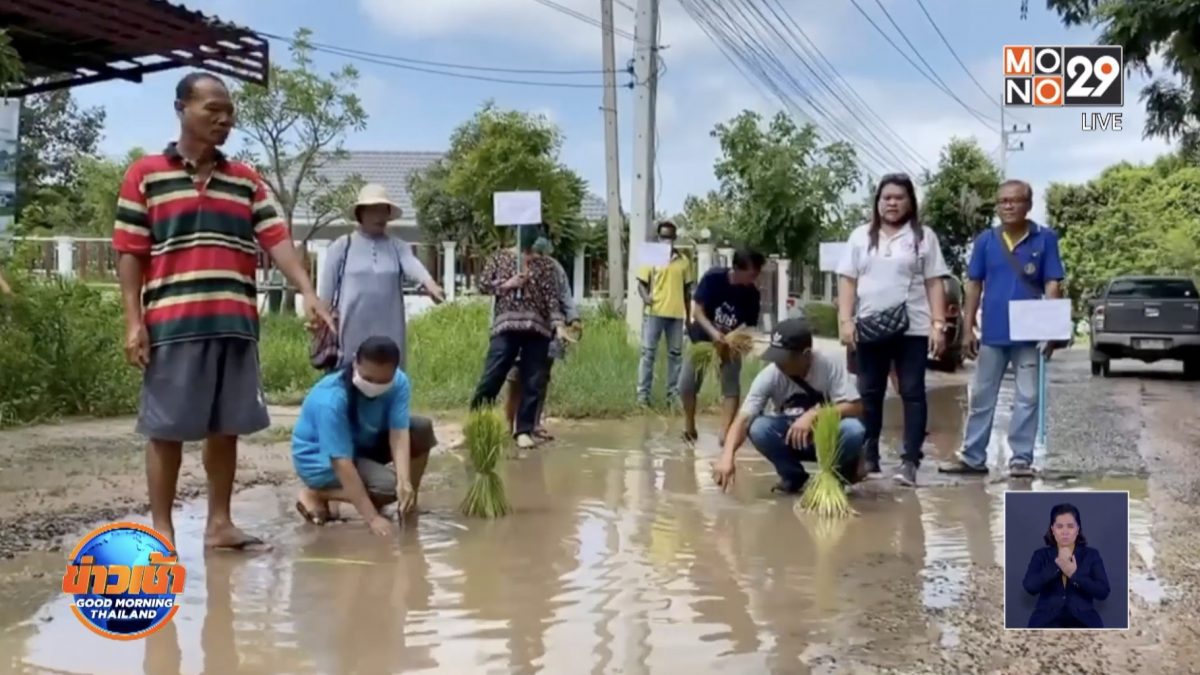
(543, 435)
(249, 543)
(690, 438)
(313, 519)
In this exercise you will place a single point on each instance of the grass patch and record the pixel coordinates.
(62, 357)
(822, 318)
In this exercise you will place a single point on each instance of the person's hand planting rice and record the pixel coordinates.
(797, 382)
(352, 425)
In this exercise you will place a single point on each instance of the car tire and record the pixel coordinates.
(1191, 369)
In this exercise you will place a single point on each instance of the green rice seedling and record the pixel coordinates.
(824, 494)
(486, 434)
(702, 356)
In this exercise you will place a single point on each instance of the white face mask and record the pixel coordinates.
(370, 389)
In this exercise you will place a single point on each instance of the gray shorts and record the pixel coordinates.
(379, 479)
(375, 464)
(690, 381)
(200, 388)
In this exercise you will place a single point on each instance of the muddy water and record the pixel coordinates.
(621, 558)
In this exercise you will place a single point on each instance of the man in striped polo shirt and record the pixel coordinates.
(189, 224)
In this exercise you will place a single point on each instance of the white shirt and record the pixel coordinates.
(826, 375)
(894, 272)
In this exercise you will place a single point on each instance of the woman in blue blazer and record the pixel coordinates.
(1066, 575)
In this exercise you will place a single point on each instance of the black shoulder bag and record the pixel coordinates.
(890, 322)
(324, 352)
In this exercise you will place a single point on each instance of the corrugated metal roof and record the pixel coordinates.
(391, 168)
(86, 41)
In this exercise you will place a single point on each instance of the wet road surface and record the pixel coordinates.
(623, 558)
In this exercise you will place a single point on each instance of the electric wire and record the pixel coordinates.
(775, 75)
(441, 64)
(853, 115)
(587, 19)
(983, 119)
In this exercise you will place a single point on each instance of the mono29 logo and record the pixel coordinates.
(1057, 76)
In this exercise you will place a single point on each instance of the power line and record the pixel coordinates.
(879, 143)
(988, 122)
(442, 64)
(765, 61)
(991, 96)
(626, 5)
(338, 51)
(847, 89)
(586, 19)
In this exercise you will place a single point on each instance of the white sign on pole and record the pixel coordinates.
(517, 208)
(10, 113)
(1039, 320)
(831, 253)
(655, 254)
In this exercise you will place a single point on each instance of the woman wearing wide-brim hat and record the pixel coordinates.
(363, 281)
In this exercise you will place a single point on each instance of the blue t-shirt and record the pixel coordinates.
(323, 431)
(726, 305)
(1037, 257)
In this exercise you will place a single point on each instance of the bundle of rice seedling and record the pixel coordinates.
(824, 494)
(702, 356)
(740, 342)
(486, 434)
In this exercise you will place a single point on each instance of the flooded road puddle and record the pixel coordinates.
(616, 561)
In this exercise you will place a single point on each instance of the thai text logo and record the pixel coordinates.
(124, 580)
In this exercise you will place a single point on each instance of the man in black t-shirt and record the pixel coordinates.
(725, 299)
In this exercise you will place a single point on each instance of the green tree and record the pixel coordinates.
(57, 139)
(707, 213)
(960, 198)
(90, 208)
(1144, 28)
(496, 151)
(296, 127)
(11, 70)
(778, 185)
(1129, 220)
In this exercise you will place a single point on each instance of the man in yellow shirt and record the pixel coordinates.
(666, 292)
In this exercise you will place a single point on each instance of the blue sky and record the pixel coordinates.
(418, 111)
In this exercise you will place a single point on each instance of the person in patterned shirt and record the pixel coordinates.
(189, 224)
(525, 320)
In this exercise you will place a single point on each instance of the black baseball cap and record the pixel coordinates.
(789, 337)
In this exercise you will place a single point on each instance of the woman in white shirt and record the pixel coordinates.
(891, 312)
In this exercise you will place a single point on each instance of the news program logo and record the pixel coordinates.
(1064, 76)
(124, 580)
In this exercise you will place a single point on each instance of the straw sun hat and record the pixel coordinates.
(373, 194)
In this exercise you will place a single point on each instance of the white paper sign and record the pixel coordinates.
(655, 254)
(831, 254)
(1039, 320)
(517, 208)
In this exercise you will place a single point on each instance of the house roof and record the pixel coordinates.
(391, 168)
(67, 43)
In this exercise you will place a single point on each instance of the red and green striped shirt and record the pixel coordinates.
(201, 244)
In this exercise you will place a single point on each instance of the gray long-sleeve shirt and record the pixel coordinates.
(372, 293)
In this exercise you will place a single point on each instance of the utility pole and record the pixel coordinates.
(645, 74)
(616, 225)
(1005, 146)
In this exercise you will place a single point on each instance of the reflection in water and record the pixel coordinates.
(615, 561)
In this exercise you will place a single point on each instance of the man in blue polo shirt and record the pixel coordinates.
(1018, 260)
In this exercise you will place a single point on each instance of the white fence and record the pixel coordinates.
(94, 260)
